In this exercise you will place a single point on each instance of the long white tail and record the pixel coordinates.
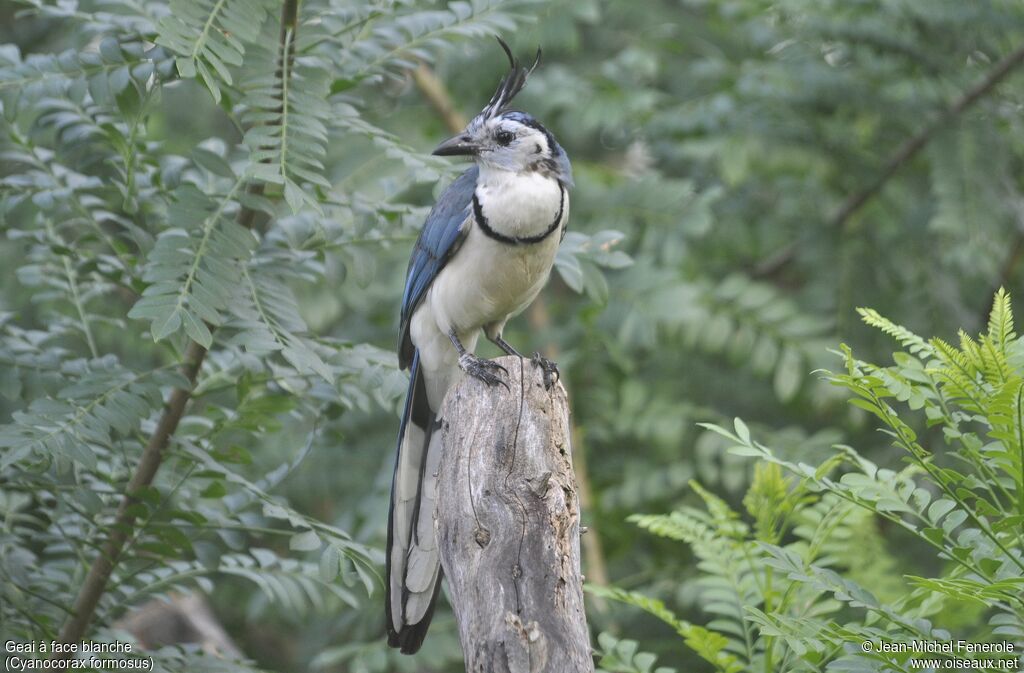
(413, 563)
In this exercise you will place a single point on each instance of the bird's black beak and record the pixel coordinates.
(460, 145)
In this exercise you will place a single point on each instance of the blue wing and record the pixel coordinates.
(442, 234)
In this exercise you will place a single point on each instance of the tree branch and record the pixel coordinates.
(907, 151)
(95, 582)
(94, 585)
(433, 89)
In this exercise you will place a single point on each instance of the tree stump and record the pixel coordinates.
(508, 523)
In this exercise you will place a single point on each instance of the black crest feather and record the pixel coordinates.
(511, 84)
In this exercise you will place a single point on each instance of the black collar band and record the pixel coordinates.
(481, 220)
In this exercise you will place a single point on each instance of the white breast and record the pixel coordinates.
(518, 204)
(488, 280)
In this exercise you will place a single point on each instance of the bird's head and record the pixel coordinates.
(506, 139)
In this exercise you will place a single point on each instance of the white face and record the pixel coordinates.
(512, 145)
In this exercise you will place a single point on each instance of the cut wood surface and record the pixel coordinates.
(508, 521)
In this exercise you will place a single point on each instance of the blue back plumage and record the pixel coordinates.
(439, 239)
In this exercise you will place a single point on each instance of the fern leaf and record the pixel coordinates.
(105, 72)
(287, 114)
(987, 593)
(709, 645)
(295, 585)
(804, 634)
(971, 350)
(844, 590)
(958, 371)
(209, 37)
(79, 423)
(1000, 321)
(904, 336)
(622, 656)
(269, 322)
(675, 526)
(995, 367)
(400, 41)
(723, 516)
(420, 167)
(194, 268)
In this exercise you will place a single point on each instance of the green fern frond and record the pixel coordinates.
(420, 167)
(675, 526)
(971, 350)
(770, 500)
(210, 37)
(195, 267)
(904, 336)
(726, 520)
(104, 73)
(823, 528)
(80, 422)
(959, 371)
(843, 589)
(287, 115)
(804, 634)
(399, 42)
(295, 585)
(268, 322)
(995, 366)
(987, 593)
(730, 576)
(623, 656)
(950, 355)
(709, 645)
(1000, 320)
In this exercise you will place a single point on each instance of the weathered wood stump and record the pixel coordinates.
(508, 522)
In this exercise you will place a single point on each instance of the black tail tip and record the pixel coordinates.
(410, 639)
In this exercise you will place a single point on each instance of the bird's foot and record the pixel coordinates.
(484, 370)
(551, 373)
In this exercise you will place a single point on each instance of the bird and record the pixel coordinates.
(483, 255)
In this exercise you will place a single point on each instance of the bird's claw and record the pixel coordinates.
(484, 370)
(551, 373)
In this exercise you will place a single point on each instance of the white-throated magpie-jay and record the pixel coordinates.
(484, 254)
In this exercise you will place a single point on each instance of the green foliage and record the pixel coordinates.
(115, 223)
(210, 37)
(287, 113)
(79, 422)
(703, 278)
(191, 271)
(621, 656)
(784, 594)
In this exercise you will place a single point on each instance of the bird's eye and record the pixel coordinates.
(504, 137)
